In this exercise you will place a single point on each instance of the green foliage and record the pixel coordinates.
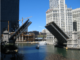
(41, 36)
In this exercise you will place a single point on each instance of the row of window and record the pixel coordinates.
(77, 11)
(76, 15)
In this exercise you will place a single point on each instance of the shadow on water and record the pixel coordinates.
(61, 51)
(17, 56)
(10, 52)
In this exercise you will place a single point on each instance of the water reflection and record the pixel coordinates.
(71, 54)
(31, 53)
(75, 54)
(61, 51)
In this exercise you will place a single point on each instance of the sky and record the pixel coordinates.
(37, 9)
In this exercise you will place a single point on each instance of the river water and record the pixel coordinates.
(31, 53)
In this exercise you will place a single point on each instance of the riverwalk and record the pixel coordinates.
(39, 42)
(27, 42)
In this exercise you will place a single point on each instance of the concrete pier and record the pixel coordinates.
(74, 42)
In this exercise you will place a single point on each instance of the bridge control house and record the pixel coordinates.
(74, 42)
(22, 38)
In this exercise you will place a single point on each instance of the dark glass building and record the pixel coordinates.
(9, 12)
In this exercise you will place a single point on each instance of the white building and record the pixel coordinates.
(52, 4)
(76, 17)
(7, 35)
(44, 31)
(61, 15)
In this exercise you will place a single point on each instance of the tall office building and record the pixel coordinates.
(61, 15)
(9, 12)
(0, 18)
(52, 4)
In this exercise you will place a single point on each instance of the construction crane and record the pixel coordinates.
(22, 23)
(8, 26)
(24, 19)
(19, 20)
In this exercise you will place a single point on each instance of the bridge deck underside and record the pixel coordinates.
(57, 32)
(19, 31)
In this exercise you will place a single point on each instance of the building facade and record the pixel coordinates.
(76, 21)
(9, 12)
(76, 18)
(52, 4)
(62, 16)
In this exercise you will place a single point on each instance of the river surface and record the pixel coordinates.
(31, 53)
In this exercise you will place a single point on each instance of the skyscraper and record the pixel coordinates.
(61, 15)
(9, 12)
(52, 4)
